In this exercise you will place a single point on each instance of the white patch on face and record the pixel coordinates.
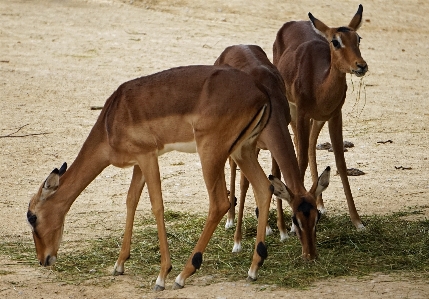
(185, 147)
(340, 41)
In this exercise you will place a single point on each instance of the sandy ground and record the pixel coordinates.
(59, 58)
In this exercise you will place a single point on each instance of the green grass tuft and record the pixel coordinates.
(388, 244)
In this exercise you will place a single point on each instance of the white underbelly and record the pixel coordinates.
(185, 147)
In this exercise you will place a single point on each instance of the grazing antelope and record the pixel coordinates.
(276, 138)
(217, 111)
(313, 60)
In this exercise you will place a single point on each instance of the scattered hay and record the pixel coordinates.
(360, 90)
(388, 244)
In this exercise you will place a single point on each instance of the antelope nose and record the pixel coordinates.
(362, 66)
(47, 261)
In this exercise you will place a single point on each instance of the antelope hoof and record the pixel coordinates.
(118, 270)
(158, 288)
(237, 247)
(283, 236)
(117, 273)
(250, 279)
(229, 223)
(177, 286)
(360, 227)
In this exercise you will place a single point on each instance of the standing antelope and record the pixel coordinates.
(276, 138)
(216, 111)
(313, 60)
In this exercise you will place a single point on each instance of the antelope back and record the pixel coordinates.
(253, 60)
(249, 58)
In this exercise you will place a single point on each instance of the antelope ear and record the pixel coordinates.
(63, 169)
(357, 19)
(319, 26)
(280, 189)
(322, 182)
(51, 184)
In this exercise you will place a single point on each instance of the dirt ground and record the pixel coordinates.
(58, 58)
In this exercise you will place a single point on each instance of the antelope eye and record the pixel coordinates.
(336, 44)
(31, 218)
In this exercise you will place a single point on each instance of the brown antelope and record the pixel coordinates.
(276, 138)
(313, 60)
(216, 111)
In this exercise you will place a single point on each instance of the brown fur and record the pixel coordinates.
(314, 72)
(276, 138)
(195, 103)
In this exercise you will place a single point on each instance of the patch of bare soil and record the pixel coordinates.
(59, 58)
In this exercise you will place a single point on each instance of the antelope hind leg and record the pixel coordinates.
(214, 177)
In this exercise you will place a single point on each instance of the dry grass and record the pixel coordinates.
(389, 244)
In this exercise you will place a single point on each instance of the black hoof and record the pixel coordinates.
(177, 286)
(250, 279)
(116, 273)
(158, 288)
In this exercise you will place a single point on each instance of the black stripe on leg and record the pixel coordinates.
(197, 260)
(262, 251)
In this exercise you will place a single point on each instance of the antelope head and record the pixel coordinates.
(46, 218)
(304, 211)
(344, 44)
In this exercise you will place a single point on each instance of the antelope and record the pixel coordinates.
(276, 138)
(313, 60)
(216, 111)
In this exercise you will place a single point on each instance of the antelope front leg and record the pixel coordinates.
(134, 193)
(336, 134)
(150, 169)
(316, 127)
